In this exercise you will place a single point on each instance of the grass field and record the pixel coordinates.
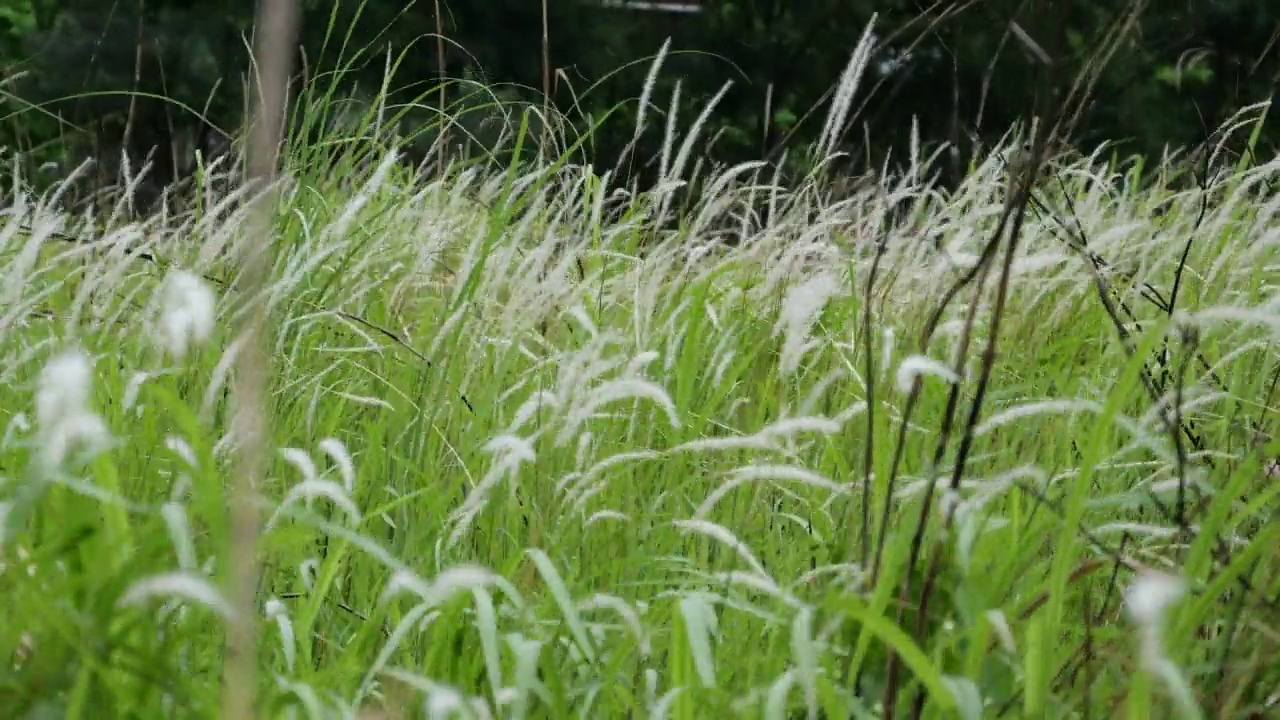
(539, 458)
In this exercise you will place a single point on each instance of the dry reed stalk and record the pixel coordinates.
(276, 32)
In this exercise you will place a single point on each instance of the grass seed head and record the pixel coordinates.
(187, 316)
(63, 412)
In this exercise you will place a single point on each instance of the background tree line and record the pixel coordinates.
(159, 79)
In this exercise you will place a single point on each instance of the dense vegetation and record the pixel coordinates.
(164, 77)
(977, 441)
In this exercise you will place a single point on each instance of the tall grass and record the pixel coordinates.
(538, 454)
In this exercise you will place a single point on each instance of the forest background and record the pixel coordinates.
(159, 79)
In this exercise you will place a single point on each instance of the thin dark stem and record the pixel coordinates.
(868, 450)
(913, 397)
(1018, 204)
(1180, 449)
(926, 506)
(440, 150)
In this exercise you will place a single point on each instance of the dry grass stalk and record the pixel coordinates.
(276, 30)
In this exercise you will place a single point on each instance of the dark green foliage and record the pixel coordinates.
(960, 76)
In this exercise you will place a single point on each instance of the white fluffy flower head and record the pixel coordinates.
(64, 388)
(1147, 601)
(187, 315)
(1151, 595)
(63, 414)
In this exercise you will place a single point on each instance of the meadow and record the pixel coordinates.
(542, 449)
